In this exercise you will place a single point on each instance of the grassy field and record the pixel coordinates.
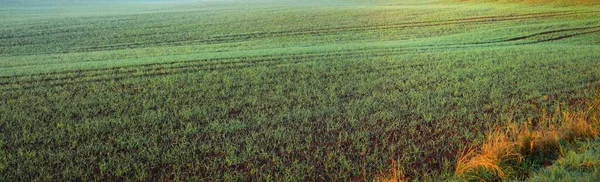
(276, 90)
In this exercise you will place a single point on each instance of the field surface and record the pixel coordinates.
(279, 90)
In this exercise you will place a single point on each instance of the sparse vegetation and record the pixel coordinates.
(282, 90)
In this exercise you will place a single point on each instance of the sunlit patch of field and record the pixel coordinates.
(543, 2)
(276, 90)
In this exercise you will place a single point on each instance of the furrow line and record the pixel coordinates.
(156, 74)
(549, 32)
(564, 37)
(238, 37)
(178, 67)
(152, 74)
(218, 61)
(174, 70)
(536, 35)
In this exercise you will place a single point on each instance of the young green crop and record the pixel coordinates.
(309, 90)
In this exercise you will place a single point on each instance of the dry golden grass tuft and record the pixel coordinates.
(499, 148)
(505, 148)
(577, 126)
(395, 174)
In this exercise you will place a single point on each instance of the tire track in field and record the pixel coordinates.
(385, 51)
(224, 61)
(564, 37)
(550, 32)
(134, 70)
(122, 76)
(326, 75)
(147, 67)
(153, 70)
(242, 63)
(200, 64)
(191, 70)
(593, 29)
(74, 29)
(133, 45)
(215, 62)
(325, 31)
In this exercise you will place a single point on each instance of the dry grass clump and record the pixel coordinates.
(541, 142)
(488, 161)
(395, 174)
(578, 126)
(506, 148)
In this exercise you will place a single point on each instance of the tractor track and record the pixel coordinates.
(186, 68)
(562, 37)
(488, 42)
(326, 31)
(234, 60)
(245, 62)
(568, 30)
(160, 69)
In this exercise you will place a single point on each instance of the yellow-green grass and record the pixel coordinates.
(543, 2)
(276, 90)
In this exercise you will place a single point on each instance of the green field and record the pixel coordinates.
(276, 90)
